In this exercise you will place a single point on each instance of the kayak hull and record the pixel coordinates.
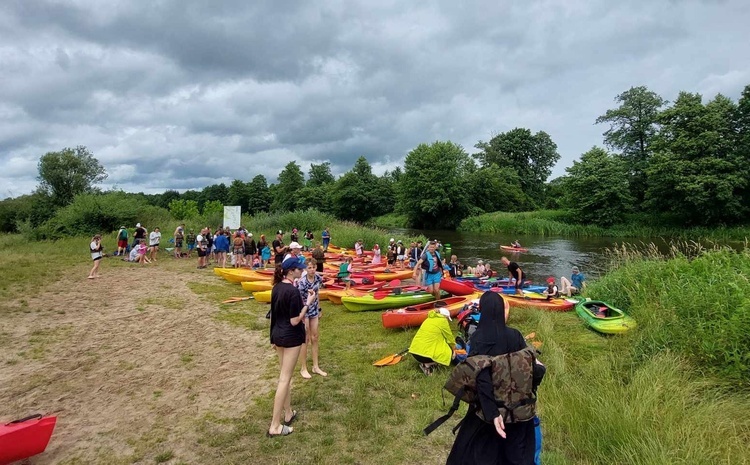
(614, 321)
(409, 317)
(370, 303)
(510, 248)
(457, 287)
(25, 438)
(552, 305)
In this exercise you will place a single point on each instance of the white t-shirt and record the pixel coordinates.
(199, 239)
(358, 248)
(97, 254)
(133, 256)
(154, 238)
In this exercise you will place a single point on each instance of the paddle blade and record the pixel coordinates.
(395, 360)
(236, 299)
(380, 295)
(394, 283)
(384, 361)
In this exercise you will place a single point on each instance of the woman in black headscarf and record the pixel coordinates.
(480, 442)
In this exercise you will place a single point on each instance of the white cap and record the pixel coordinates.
(250, 234)
(138, 225)
(444, 311)
(295, 245)
(393, 240)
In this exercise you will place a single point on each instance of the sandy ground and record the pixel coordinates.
(122, 365)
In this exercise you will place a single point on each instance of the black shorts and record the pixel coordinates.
(319, 267)
(178, 244)
(97, 258)
(201, 253)
(421, 359)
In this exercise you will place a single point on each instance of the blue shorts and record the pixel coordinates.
(191, 246)
(432, 278)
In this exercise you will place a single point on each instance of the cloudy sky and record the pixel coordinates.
(179, 94)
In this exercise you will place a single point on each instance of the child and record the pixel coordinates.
(142, 249)
(551, 291)
(376, 255)
(345, 270)
(265, 255)
(256, 262)
(311, 281)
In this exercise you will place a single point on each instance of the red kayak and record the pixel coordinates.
(510, 248)
(23, 438)
(454, 287)
(415, 315)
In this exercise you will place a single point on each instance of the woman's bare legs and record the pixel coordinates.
(303, 352)
(282, 401)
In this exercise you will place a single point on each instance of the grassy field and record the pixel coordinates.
(643, 398)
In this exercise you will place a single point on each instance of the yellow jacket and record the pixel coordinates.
(433, 338)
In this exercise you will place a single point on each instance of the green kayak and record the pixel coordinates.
(369, 302)
(603, 317)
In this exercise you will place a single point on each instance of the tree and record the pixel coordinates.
(320, 175)
(214, 192)
(596, 189)
(432, 192)
(743, 136)
(291, 180)
(352, 195)
(532, 156)
(67, 173)
(239, 194)
(696, 171)
(496, 189)
(163, 200)
(183, 209)
(259, 197)
(633, 126)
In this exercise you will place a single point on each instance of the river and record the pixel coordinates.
(547, 256)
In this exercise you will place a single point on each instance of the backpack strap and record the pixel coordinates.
(435, 424)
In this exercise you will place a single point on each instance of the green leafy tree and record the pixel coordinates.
(317, 197)
(496, 189)
(182, 209)
(696, 172)
(742, 147)
(553, 193)
(532, 156)
(213, 208)
(214, 192)
(596, 188)
(67, 173)
(352, 194)
(320, 175)
(163, 200)
(259, 196)
(432, 192)
(291, 180)
(633, 126)
(239, 194)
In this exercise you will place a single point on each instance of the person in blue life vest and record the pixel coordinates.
(326, 236)
(575, 285)
(431, 266)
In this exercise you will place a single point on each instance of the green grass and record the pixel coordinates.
(673, 392)
(556, 223)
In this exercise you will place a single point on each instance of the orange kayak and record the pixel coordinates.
(414, 315)
(553, 305)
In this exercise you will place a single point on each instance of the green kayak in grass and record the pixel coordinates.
(603, 317)
(370, 302)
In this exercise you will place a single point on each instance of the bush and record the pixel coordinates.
(695, 302)
(101, 213)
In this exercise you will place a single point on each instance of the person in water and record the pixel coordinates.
(516, 244)
(515, 272)
(492, 441)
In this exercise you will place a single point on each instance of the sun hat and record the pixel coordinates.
(575, 269)
(295, 245)
(292, 263)
(550, 280)
(444, 311)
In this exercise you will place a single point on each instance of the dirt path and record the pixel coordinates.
(127, 369)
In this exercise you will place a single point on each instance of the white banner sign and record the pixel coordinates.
(232, 217)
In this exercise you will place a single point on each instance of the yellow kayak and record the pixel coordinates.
(256, 286)
(263, 296)
(238, 275)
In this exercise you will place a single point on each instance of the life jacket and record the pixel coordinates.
(512, 381)
(343, 271)
(468, 319)
(427, 263)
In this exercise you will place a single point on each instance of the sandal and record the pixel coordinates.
(285, 431)
(291, 420)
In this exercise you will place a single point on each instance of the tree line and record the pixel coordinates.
(685, 163)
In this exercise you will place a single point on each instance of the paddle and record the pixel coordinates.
(391, 359)
(232, 300)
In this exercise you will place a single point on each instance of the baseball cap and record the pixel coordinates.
(250, 234)
(575, 269)
(550, 280)
(393, 240)
(138, 225)
(295, 245)
(122, 227)
(280, 232)
(444, 311)
(292, 263)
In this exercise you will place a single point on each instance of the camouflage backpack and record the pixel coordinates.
(512, 381)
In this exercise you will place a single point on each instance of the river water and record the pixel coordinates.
(547, 256)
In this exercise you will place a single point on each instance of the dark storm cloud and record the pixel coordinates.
(181, 94)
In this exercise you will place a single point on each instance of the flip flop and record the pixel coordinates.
(285, 431)
(291, 420)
